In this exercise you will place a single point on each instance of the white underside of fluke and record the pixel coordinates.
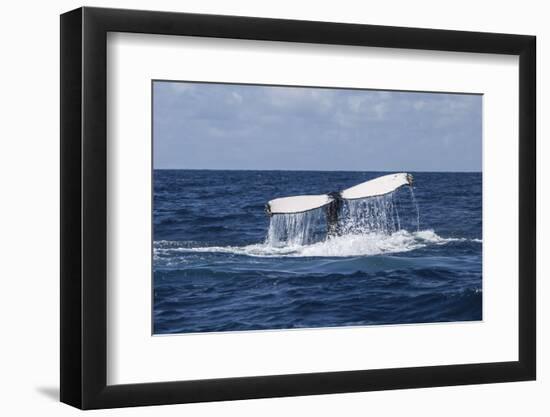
(301, 203)
(378, 186)
(298, 203)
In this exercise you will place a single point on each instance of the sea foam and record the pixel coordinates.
(368, 244)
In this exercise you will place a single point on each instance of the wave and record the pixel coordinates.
(340, 246)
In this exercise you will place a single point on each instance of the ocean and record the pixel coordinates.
(220, 263)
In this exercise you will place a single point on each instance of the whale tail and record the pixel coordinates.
(333, 201)
(372, 188)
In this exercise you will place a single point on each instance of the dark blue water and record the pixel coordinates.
(213, 270)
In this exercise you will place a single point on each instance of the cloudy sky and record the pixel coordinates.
(224, 126)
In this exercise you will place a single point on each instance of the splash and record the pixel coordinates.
(372, 226)
(378, 216)
(339, 246)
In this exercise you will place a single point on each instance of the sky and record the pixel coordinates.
(231, 126)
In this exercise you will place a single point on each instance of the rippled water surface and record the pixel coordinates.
(218, 266)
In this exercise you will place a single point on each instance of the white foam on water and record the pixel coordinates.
(340, 246)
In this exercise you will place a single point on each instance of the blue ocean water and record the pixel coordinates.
(216, 270)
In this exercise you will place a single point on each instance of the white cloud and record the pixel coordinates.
(419, 104)
(182, 87)
(380, 110)
(355, 103)
(236, 97)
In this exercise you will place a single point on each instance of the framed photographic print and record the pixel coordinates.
(258, 207)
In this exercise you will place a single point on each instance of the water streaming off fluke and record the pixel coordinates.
(380, 215)
(296, 229)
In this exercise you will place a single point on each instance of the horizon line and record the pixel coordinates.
(311, 170)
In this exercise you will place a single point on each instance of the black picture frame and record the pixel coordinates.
(84, 207)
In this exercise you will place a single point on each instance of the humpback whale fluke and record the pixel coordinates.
(375, 187)
(333, 201)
